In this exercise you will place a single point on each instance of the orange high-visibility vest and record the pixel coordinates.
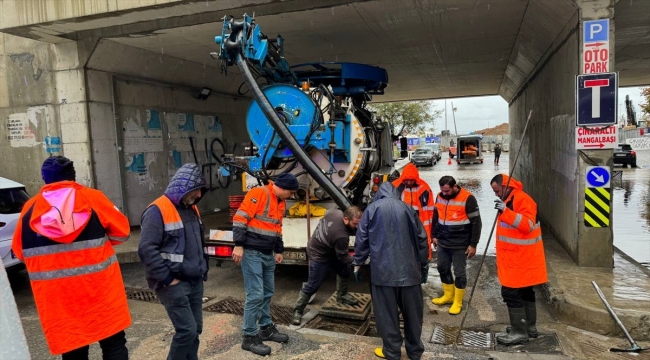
(520, 251)
(77, 284)
(173, 225)
(263, 216)
(452, 212)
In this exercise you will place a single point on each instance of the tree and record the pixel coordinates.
(645, 106)
(409, 116)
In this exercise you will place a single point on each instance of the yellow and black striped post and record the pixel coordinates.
(597, 206)
(598, 197)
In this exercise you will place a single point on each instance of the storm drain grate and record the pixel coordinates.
(142, 295)
(279, 314)
(332, 308)
(474, 338)
(346, 326)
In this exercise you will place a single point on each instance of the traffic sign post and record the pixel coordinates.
(597, 197)
(595, 46)
(596, 99)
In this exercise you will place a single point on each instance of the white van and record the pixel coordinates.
(12, 198)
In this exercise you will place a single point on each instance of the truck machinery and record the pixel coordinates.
(310, 120)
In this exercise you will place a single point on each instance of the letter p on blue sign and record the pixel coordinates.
(596, 30)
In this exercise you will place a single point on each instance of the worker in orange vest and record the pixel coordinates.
(65, 236)
(456, 232)
(171, 248)
(520, 258)
(416, 193)
(257, 233)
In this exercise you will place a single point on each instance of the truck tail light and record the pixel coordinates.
(219, 250)
(376, 180)
(351, 253)
(633, 153)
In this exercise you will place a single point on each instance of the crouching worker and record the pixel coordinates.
(328, 249)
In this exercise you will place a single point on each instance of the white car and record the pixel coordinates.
(12, 198)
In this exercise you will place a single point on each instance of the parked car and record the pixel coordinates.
(624, 155)
(433, 146)
(424, 156)
(12, 198)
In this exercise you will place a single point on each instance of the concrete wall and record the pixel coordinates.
(155, 122)
(548, 162)
(42, 109)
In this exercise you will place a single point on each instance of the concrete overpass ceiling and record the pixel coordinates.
(632, 19)
(432, 49)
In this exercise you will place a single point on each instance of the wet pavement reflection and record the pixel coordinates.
(632, 209)
(631, 200)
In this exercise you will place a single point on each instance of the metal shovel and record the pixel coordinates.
(635, 348)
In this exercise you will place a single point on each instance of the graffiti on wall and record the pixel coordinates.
(141, 146)
(639, 143)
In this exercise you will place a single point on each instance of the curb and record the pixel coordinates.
(594, 318)
(127, 257)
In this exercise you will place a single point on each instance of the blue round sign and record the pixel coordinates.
(597, 176)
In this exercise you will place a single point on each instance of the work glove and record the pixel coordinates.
(357, 275)
(425, 275)
(499, 204)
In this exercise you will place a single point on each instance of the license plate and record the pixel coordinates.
(619, 154)
(294, 255)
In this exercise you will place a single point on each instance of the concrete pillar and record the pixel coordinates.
(595, 245)
(42, 109)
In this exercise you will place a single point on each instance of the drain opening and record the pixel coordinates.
(140, 294)
(480, 338)
(279, 314)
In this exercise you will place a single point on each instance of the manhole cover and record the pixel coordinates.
(332, 308)
(142, 295)
(474, 338)
(361, 328)
(543, 344)
(279, 314)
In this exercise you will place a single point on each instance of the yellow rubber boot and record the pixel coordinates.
(457, 306)
(379, 352)
(447, 297)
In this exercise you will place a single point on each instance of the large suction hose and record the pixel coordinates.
(281, 129)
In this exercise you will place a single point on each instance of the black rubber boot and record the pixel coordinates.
(270, 333)
(299, 309)
(342, 295)
(254, 344)
(517, 334)
(531, 319)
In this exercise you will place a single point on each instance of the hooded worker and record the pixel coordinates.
(65, 237)
(416, 193)
(520, 258)
(390, 234)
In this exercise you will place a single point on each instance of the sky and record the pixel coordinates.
(476, 113)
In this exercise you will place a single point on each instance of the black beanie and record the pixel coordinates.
(58, 168)
(287, 182)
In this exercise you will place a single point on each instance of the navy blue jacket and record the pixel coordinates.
(391, 233)
(154, 239)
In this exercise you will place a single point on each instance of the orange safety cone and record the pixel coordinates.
(449, 161)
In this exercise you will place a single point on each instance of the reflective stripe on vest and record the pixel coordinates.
(453, 223)
(172, 257)
(520, 241)
(81, 270)
(73, 246)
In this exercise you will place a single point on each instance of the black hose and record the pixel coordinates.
(337, 195)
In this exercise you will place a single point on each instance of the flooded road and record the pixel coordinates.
(631, 200)
(632, 209)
